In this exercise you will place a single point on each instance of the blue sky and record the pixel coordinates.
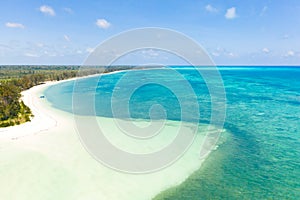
(233, 32)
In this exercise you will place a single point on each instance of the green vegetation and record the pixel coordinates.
(14, 79)
(12, 110)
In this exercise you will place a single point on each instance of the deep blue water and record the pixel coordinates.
(260, 159)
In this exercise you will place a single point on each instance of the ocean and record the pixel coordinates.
(258, 159)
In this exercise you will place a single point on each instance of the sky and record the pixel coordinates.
(232, 32)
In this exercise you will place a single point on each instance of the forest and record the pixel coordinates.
(15, 79)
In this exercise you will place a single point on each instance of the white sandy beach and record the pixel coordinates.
(44, 159)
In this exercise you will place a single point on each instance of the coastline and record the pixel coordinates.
(41, 119)
(55, 153)
(39, 122)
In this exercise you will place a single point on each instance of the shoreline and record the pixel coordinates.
(41, 120)
(55, 154)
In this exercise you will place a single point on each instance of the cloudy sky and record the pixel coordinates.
(233, 32)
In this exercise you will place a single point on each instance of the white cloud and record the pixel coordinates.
(216, 54)
(40, 45)
(231, 13)
(47, 10)
(102, 23)
(210, 8)
(150, 53)
(67, 38)
(266, 50)
(221, 52)
(231, 54)
(90, 50)
(290, 53)
(50, 54)
(32, 55)
(14, 25)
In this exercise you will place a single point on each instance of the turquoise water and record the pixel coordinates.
(141, 99)
(261, 157)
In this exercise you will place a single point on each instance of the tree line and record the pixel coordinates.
(15, 79)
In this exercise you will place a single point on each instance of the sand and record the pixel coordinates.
(44, 159)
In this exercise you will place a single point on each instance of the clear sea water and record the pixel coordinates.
(260, 159)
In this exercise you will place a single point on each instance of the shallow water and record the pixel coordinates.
(261, 157)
